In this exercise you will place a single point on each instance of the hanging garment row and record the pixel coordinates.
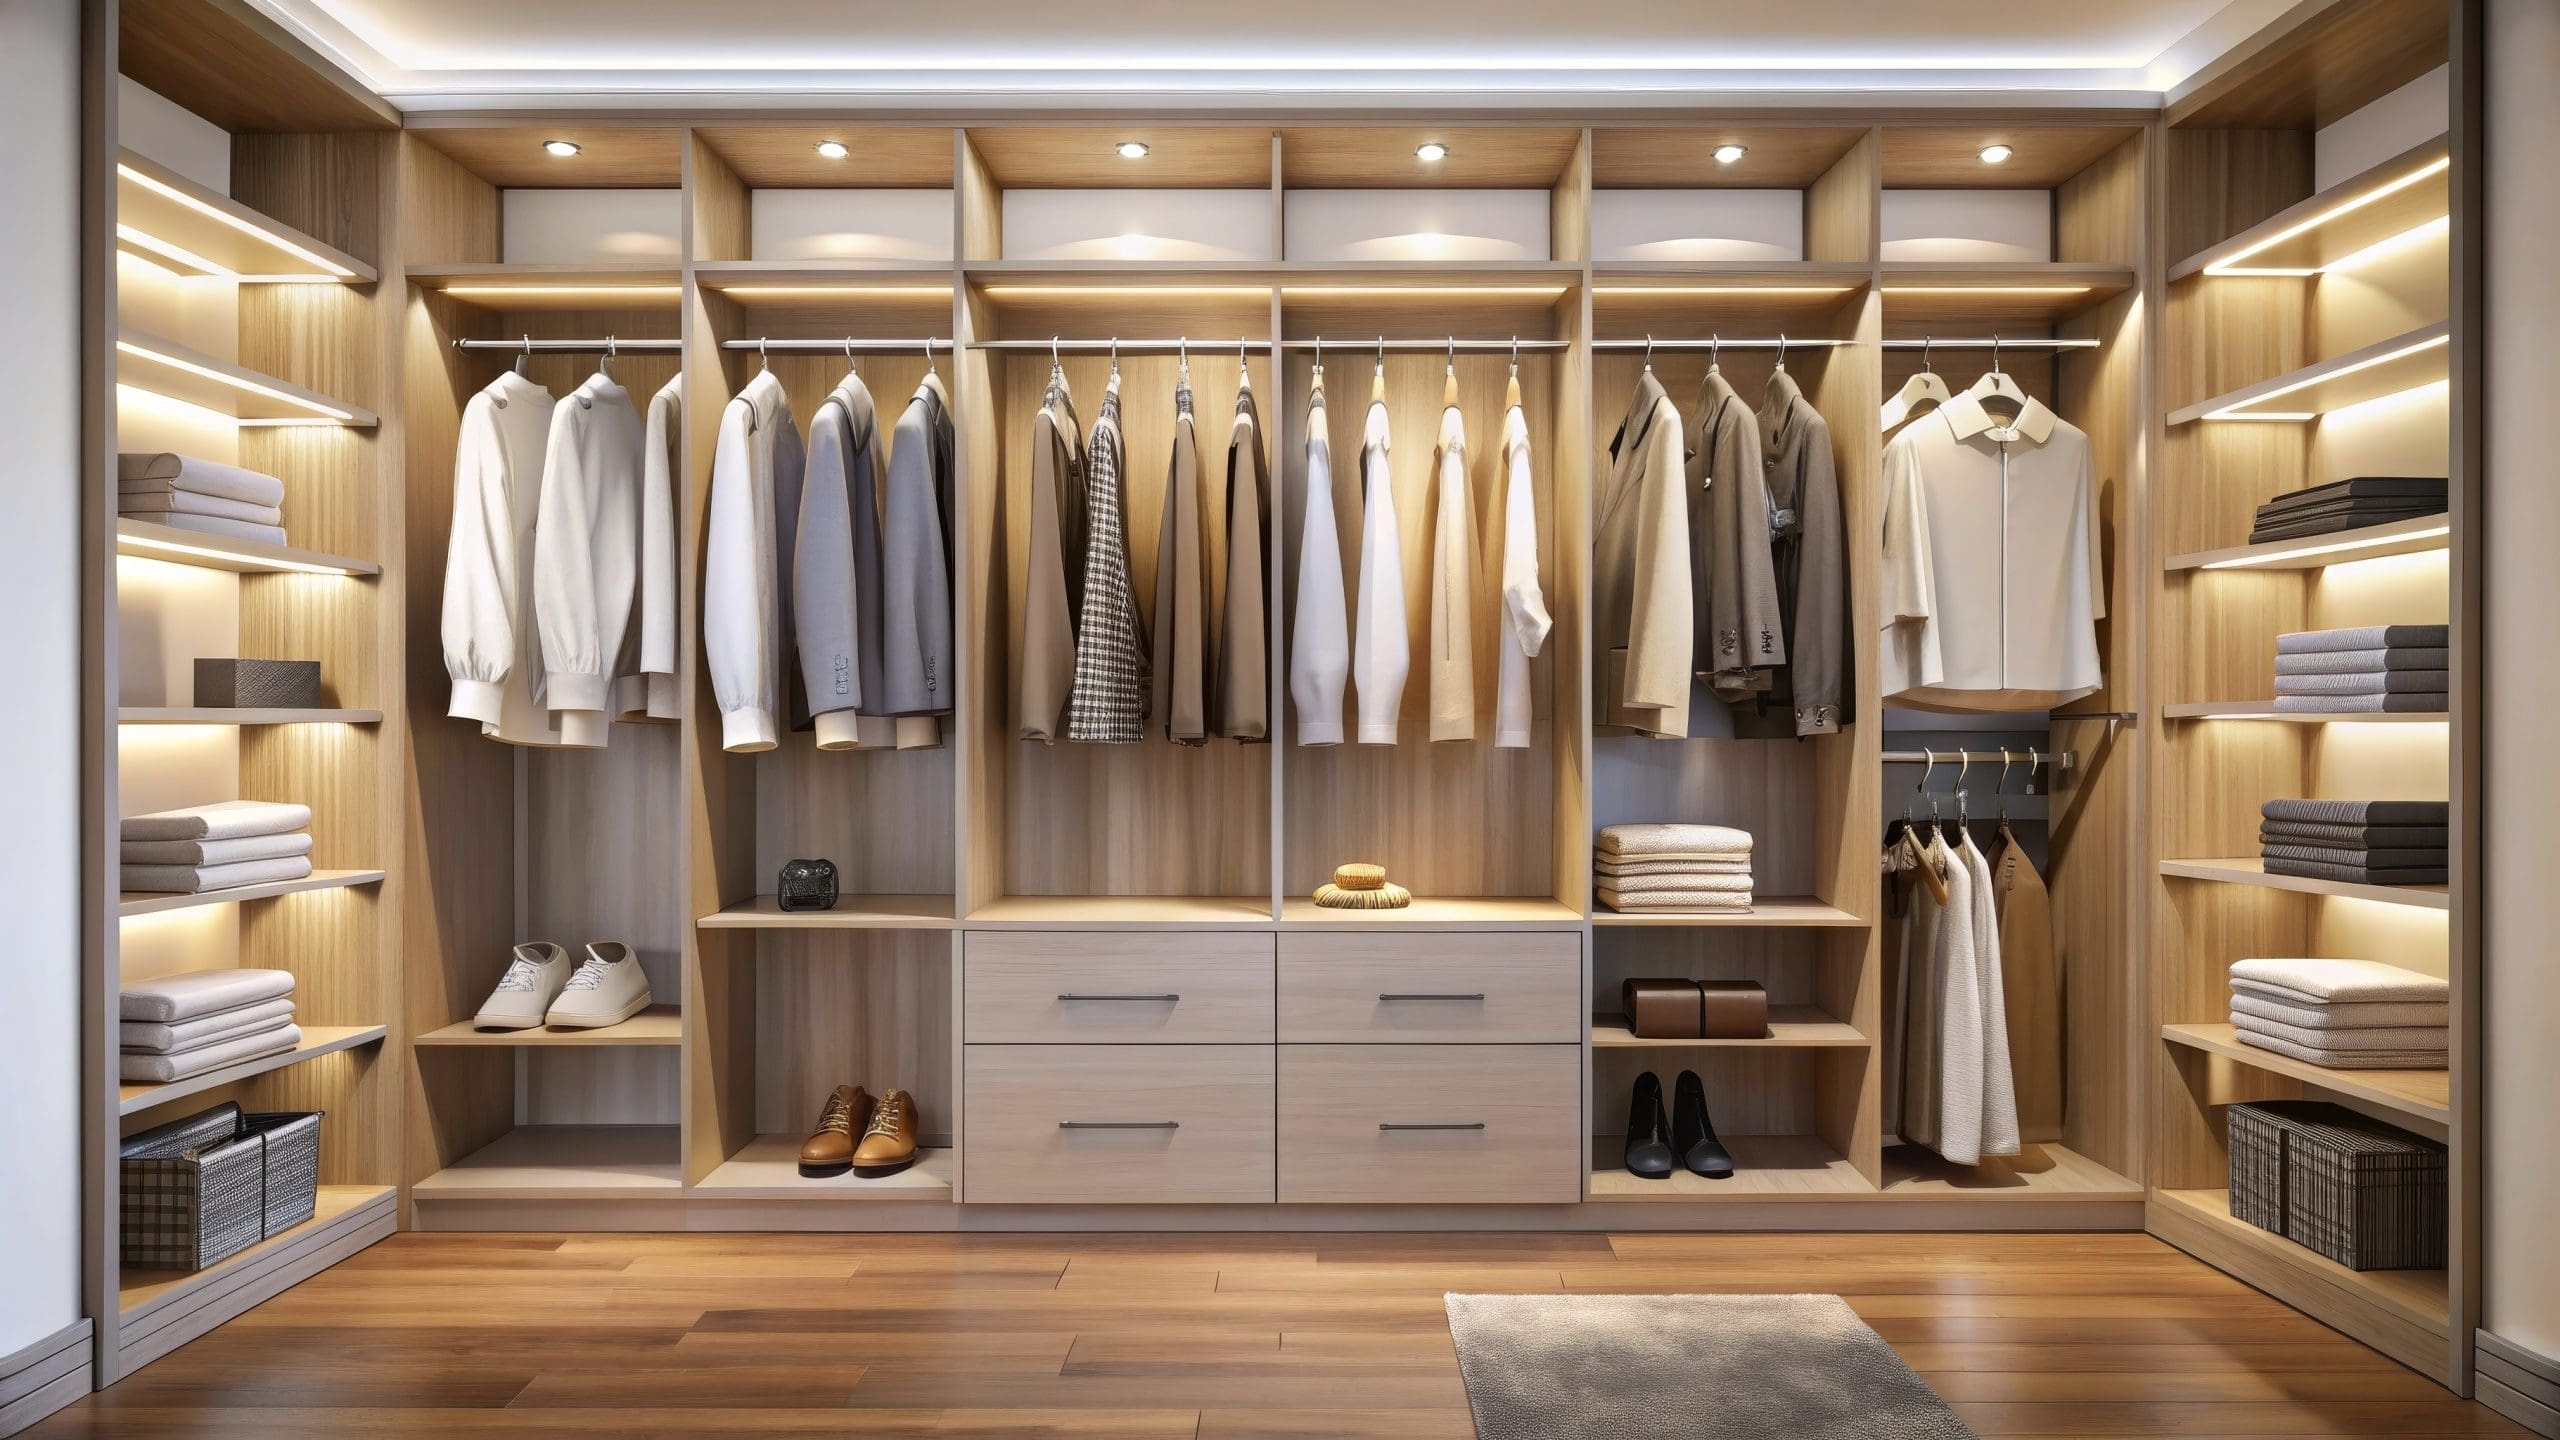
(560, 600)
(1989, 469)
(826, 600)
(1719, 561)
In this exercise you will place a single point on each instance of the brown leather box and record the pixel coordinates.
(1661, 1009)
(1733, 1010)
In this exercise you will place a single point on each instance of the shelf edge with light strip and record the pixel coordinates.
(234, 392)
(2401, 364)
(2367, 212)
(173, 222)
(2340, 547)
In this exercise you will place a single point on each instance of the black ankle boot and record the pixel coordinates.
(1693, 1135)
(1648, 1132)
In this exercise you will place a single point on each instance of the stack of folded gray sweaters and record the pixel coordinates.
(184, 1025)
(2363, 842)
(216, 847)
(2342, 1014)
(2373, 670)
(205, 496)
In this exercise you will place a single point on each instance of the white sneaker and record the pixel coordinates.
(607, 990)
(525, 992)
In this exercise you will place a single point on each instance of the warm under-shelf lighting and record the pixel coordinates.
(1986, 289)
(1641, 290)
(2236, 412)
(564, 291)
(1069, 292)
(2299, 552)
(333, 269)
(781, 291)
(1477, 292)
(127, 540)
(2232, 264)
(327, 414)
(185, 263)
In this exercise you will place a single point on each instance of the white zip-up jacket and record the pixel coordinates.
(1382, 650)
(1524, 604)
(1320, 636)
(586, 551)
(645, 682)
(491, 647)
(758, 459)
(1453, 589)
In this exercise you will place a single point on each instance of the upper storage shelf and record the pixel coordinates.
(599, 286)
(147, 362)
(2404, 193)
(175, 223)
(2388, 367)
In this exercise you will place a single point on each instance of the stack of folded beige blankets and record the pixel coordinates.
(1674, 867)
(216, 847)
(184, 1025)
(2344, 1014)
(201, 495)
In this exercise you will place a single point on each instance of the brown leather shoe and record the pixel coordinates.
(889, 1141)
(830, 1148)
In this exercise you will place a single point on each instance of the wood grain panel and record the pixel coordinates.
(1843, 209)
(1050, 157)
(870, 1009)
(2216, 183)
(1021, 1146)
(2315, 65)
(1426, 989)
(237, 68)
(509, 154)
(1329, 157)
(1940, 157)
(1777, 156)
(1141, 989)
(785, 157)
(1337, 1102)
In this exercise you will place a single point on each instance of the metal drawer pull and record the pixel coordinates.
(1119, 1124)
(1470, 1125)
(1425, 995)
(1150, 999)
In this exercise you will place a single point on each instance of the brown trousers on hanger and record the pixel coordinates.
(2031, 987)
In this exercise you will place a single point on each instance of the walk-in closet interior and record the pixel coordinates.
(1375, 382)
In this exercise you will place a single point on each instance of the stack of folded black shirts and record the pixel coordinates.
(2376, 669)
(2363, 842)
(2348, 505)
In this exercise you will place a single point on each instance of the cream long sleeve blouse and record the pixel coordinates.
(742, 615)
(1382, 649)
(1453, 587)
(492, 647)
(1524, 604)
(645, 685)
(586, 551)
(1320, 635)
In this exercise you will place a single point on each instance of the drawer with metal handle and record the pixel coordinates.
(1441, 988)
(1029, 987)
(1117, 1124)
(1438, 1124)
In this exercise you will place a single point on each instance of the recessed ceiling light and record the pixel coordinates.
(1727, 154)
(1430, 150)
(833, 149)
(1995, 154)
(1132, 149)
(561, 148)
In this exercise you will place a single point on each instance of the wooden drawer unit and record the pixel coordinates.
(1118, 1124)
(1102, 987)
(1435, 1124)
(1377, 987)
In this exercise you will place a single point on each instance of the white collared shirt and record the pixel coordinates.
(1993, 582)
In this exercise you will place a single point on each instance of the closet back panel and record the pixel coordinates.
(1153, 818)
(1456, 818)
(869, 1009)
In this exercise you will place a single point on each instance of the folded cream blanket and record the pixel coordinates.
(1676, 899)
(1608, 866)
(197, 879)
(161, 1069)
(218, 525)
(2336, 1017)
(2349, 1059)
(2360, 982)
(1693, 884)
(1656, 841)
(198, 993)
(221, 820)
(215, 852)
(202, 477)
(153, 1038)
(2399, 1037)
(149, 503)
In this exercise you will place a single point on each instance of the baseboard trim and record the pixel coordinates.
(45, 1376)
(2517, 1383)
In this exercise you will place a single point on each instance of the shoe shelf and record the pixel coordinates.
(159, 1310)
(1791, 911)
(1791, 1027)
(143, 540)
(2245, 870)
(2417, 535)
(769, 1169)
(657, 1025)
(2420, 1099)
(2266, 710)
(153, 902)
(1766, 1167)
(182, 715)
(851, 912)
(317, 1040)
(563, 1162)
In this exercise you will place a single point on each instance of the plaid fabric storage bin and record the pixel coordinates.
(2257, 1166)
(2365, 1194)
(198, 1190)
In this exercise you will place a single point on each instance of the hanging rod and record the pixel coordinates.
(836, 346)
(1212, 344)
(1989, 342)
(1755, 342)
(2061, 759)
(574, 347)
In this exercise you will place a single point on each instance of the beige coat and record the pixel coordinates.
(1813, 693)
(2030, 990)
(1044, 661)
(1180, 624)
(1739, 624)
(1240, 707)
(1453, 588)
(1642, 597)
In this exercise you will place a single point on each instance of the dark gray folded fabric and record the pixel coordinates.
(2363, 637)
(2362, 487)
(2371, 682)
(2358, 662)
(2306, 832)
(2354, 874)
(2393, 859)
(2311, 526)
(2296, 514)
(2423, 703)
(2359, 812)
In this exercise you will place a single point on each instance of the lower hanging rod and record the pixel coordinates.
(1992, 342)
(840, 345)
(607, 346)
(1752, 342)
(2018, 754)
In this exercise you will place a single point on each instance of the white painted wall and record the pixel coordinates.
(1450, 225)
(1137, 225)
(2355, 143)
(40, 1023)
(1965, 225)
(2521, 685)
(574, 227)
(1697, 225)
(905, 226)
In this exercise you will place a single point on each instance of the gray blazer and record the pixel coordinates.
(915, 562)
(835, 575)
(1740, 628)
(1812, 695)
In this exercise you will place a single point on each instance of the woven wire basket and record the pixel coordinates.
(199, 1190)
(2257, 1167)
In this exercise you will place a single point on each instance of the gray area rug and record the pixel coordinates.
(1620, 1367)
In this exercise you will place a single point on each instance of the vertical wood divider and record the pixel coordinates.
(1282, 718)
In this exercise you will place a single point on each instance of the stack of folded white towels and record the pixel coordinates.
(216, 847)
(1674, 867)
(201, 495)
(183, 1025)
(2344, 1014)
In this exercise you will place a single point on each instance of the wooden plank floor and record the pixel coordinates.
(1134, 1337)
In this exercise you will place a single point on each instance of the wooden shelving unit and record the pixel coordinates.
(157, 1311)
(2402, 1313)
(2370, 542)
(2407, 361)
(2381, 203)
(186, 715)
(562, 1162)
(143, 540)
(171, 221)
(1766, 1168)
(207, 382)
(2019, 292)
(154, 902)
(657, 1025)
(769, 1169)
(317, 1040)
(499, 289)
(2420, 1099)
(1791, 912)
(2243, 870)
(1791, 1027)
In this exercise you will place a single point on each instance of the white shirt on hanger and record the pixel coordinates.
(741, 604)
(646, 688)
(586, 551)
(1382, 650)
(1320, 640)
(492, 648)
(1524, 604)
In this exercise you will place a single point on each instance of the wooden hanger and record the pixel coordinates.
(1511, 388)
(1449, 387)
(1916, 852)
(1926, 388)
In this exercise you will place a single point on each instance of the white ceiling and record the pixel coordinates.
(465, 53)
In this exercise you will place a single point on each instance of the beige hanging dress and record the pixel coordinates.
(2031, 984)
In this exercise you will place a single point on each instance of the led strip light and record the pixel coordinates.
(322, 414)
(2237, 411)
(2231, 265)
(335, 271)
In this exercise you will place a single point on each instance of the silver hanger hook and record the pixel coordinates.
(1782, 349)
(1995, 352)
(1964, 763)
(1182, 349)
(1453, 354)
(1115, 357)
(1319, 355)
(2001, 789)
(1648, 353)
(1382, 354)
(764, 357)
(1240, 355)
(928, 354)
(1515, 357)
(1715, 350)
(1925, 342)
(1053, 352)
